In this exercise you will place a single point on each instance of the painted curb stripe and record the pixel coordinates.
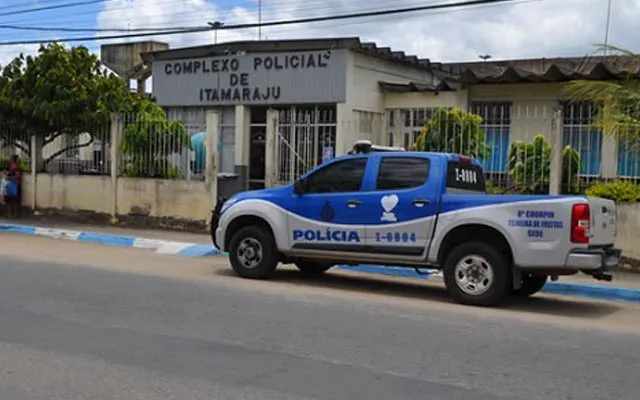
(204, 250)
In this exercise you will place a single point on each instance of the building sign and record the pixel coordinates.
(261, 78)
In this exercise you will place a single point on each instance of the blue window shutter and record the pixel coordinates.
(628, 161)
(498, 141)
(589, 145)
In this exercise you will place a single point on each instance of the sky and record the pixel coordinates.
(525, 29)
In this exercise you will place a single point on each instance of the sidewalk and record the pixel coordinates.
(624, 287)
(159, 234)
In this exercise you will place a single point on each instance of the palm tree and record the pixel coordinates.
(618, 102)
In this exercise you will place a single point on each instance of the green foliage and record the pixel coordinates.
(529, 165)
(5, 163)
(61, 91)
(148, 142)
(456, 131)
(618, 190)
(493, 189)
(618, 101)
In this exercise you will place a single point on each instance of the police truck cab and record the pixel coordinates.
(410, 209)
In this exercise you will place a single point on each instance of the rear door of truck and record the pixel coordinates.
(405, 196)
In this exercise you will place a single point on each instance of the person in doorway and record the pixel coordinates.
(14, 188)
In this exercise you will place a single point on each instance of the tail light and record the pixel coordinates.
(580, 217)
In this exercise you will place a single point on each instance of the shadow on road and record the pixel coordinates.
(434, 291)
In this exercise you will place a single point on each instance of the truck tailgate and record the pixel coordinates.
(603, 221)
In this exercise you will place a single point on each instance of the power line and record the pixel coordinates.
(61, 29)
(468, 3)
(52, 7)
(221, 7)
(60, 21)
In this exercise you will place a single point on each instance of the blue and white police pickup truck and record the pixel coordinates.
(417, 210)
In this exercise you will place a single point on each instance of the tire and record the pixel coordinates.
(253, 253)
(531, 284)
(483, 260)
(312, 268)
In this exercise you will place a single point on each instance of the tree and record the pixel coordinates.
(618, 101)
(456, 131)
(60, 92)
(529, 165)
(148, 142)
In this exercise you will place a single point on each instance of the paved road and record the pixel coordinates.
(81, 321)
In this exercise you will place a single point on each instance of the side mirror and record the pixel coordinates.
(299, 187)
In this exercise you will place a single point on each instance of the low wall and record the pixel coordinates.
(74, 192)
(628, 238)
(146, 202)
(161, 198)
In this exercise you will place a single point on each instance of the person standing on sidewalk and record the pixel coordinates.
(13, 196)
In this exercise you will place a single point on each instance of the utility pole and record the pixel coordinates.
(215, 26)
(259, 19)
(606, 29)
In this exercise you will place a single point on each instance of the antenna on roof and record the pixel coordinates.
(606, 30)
(484, 57)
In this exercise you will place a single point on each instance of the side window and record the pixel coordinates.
(339, 177)
(396, 173)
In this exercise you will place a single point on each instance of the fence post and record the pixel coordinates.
(115, 138)
(555, 167)
(212, 127)
(270, 157)
(36, 155)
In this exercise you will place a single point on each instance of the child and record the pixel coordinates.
(13, 188)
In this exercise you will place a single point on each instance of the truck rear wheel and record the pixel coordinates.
(477, 274)
(531, 284)
(312, 268)
(253, 253)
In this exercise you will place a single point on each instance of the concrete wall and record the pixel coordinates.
(426, 100)
(628, 223)
(156, 198)
(74, 192)
(162, 198)
(364, 73)
(362, 116)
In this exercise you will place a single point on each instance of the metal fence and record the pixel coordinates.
(514, 143)
(14, 142)
(83, 151)
(157, 148)
(305, 138)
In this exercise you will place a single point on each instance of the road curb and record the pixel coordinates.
(203, 250)
(157, 245)
(610, 293)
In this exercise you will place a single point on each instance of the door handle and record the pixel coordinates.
(420, 202)
(353, 203)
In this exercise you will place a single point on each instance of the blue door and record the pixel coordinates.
(329, 214)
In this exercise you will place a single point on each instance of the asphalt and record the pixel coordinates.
(83, 321)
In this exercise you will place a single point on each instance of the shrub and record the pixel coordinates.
(529, 165)
(618, 191)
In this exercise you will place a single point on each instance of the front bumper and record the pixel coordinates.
(215, 220)
(602, 259)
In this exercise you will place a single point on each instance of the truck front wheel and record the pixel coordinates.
(477, 274)
(253, 253)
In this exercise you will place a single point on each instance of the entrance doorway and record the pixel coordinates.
(306, 137)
